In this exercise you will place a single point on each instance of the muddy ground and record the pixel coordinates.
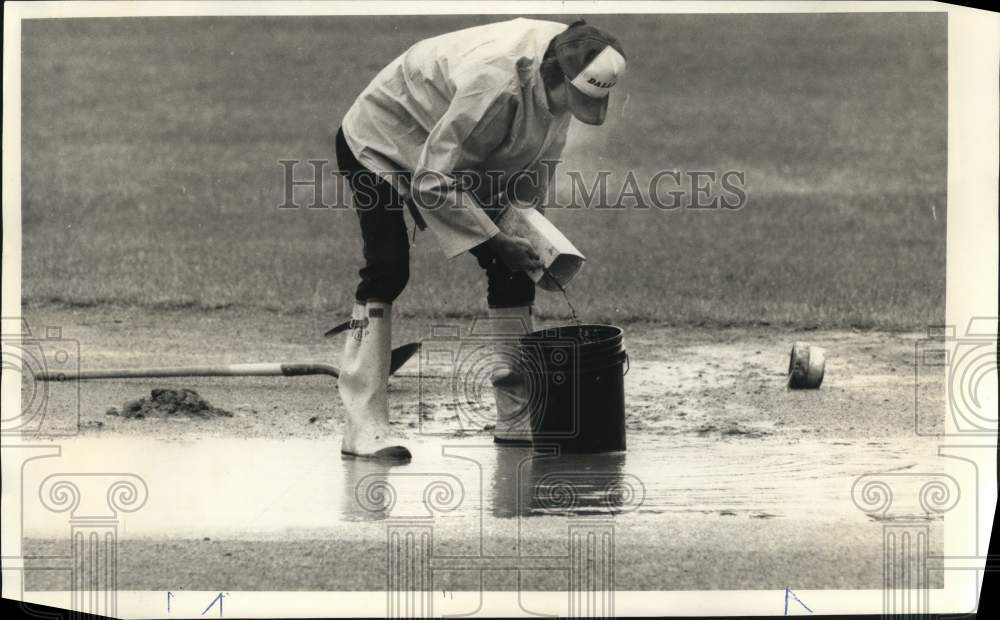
(683, 381)
(751, 480)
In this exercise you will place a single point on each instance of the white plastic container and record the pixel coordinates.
(561, 258)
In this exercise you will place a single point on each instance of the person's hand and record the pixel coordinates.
(517, 253)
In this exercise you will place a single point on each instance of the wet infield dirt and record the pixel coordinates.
(732, 468)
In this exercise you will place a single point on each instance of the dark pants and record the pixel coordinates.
(387, 249)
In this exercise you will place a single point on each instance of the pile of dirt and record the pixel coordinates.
(165, 403)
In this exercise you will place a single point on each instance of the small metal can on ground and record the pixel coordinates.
(806, 367)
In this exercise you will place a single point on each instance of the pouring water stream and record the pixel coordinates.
(572, 310)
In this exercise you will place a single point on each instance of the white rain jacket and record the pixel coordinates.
(471, 100)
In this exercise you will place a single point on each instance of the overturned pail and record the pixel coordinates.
(806, 367)
(577, 387)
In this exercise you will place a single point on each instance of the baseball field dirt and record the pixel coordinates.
(722, 456)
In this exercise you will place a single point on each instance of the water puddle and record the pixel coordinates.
(256, 487)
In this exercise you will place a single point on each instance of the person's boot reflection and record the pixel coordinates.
(367, 494)
(511, 477)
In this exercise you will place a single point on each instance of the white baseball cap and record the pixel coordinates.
(592, 61)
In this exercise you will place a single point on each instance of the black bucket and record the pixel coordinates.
(577, 387)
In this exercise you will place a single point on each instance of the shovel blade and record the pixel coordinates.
(401, 355)
(343, 327)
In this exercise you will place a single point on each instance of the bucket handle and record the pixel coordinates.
(628, 364)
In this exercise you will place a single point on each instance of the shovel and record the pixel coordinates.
(399, 356)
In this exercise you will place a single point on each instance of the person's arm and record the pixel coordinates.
(475, 124)
(551, 154)
(517, 252)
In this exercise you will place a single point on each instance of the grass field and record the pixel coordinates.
(150, 168)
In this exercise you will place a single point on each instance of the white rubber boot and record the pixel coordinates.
(364, 375)
(510, 386)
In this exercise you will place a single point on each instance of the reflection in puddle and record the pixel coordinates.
(524, 482)
(360, 502)
(529, 482)
(249, 488)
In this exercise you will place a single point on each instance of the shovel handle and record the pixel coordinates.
(399, 356)
(267, 369)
